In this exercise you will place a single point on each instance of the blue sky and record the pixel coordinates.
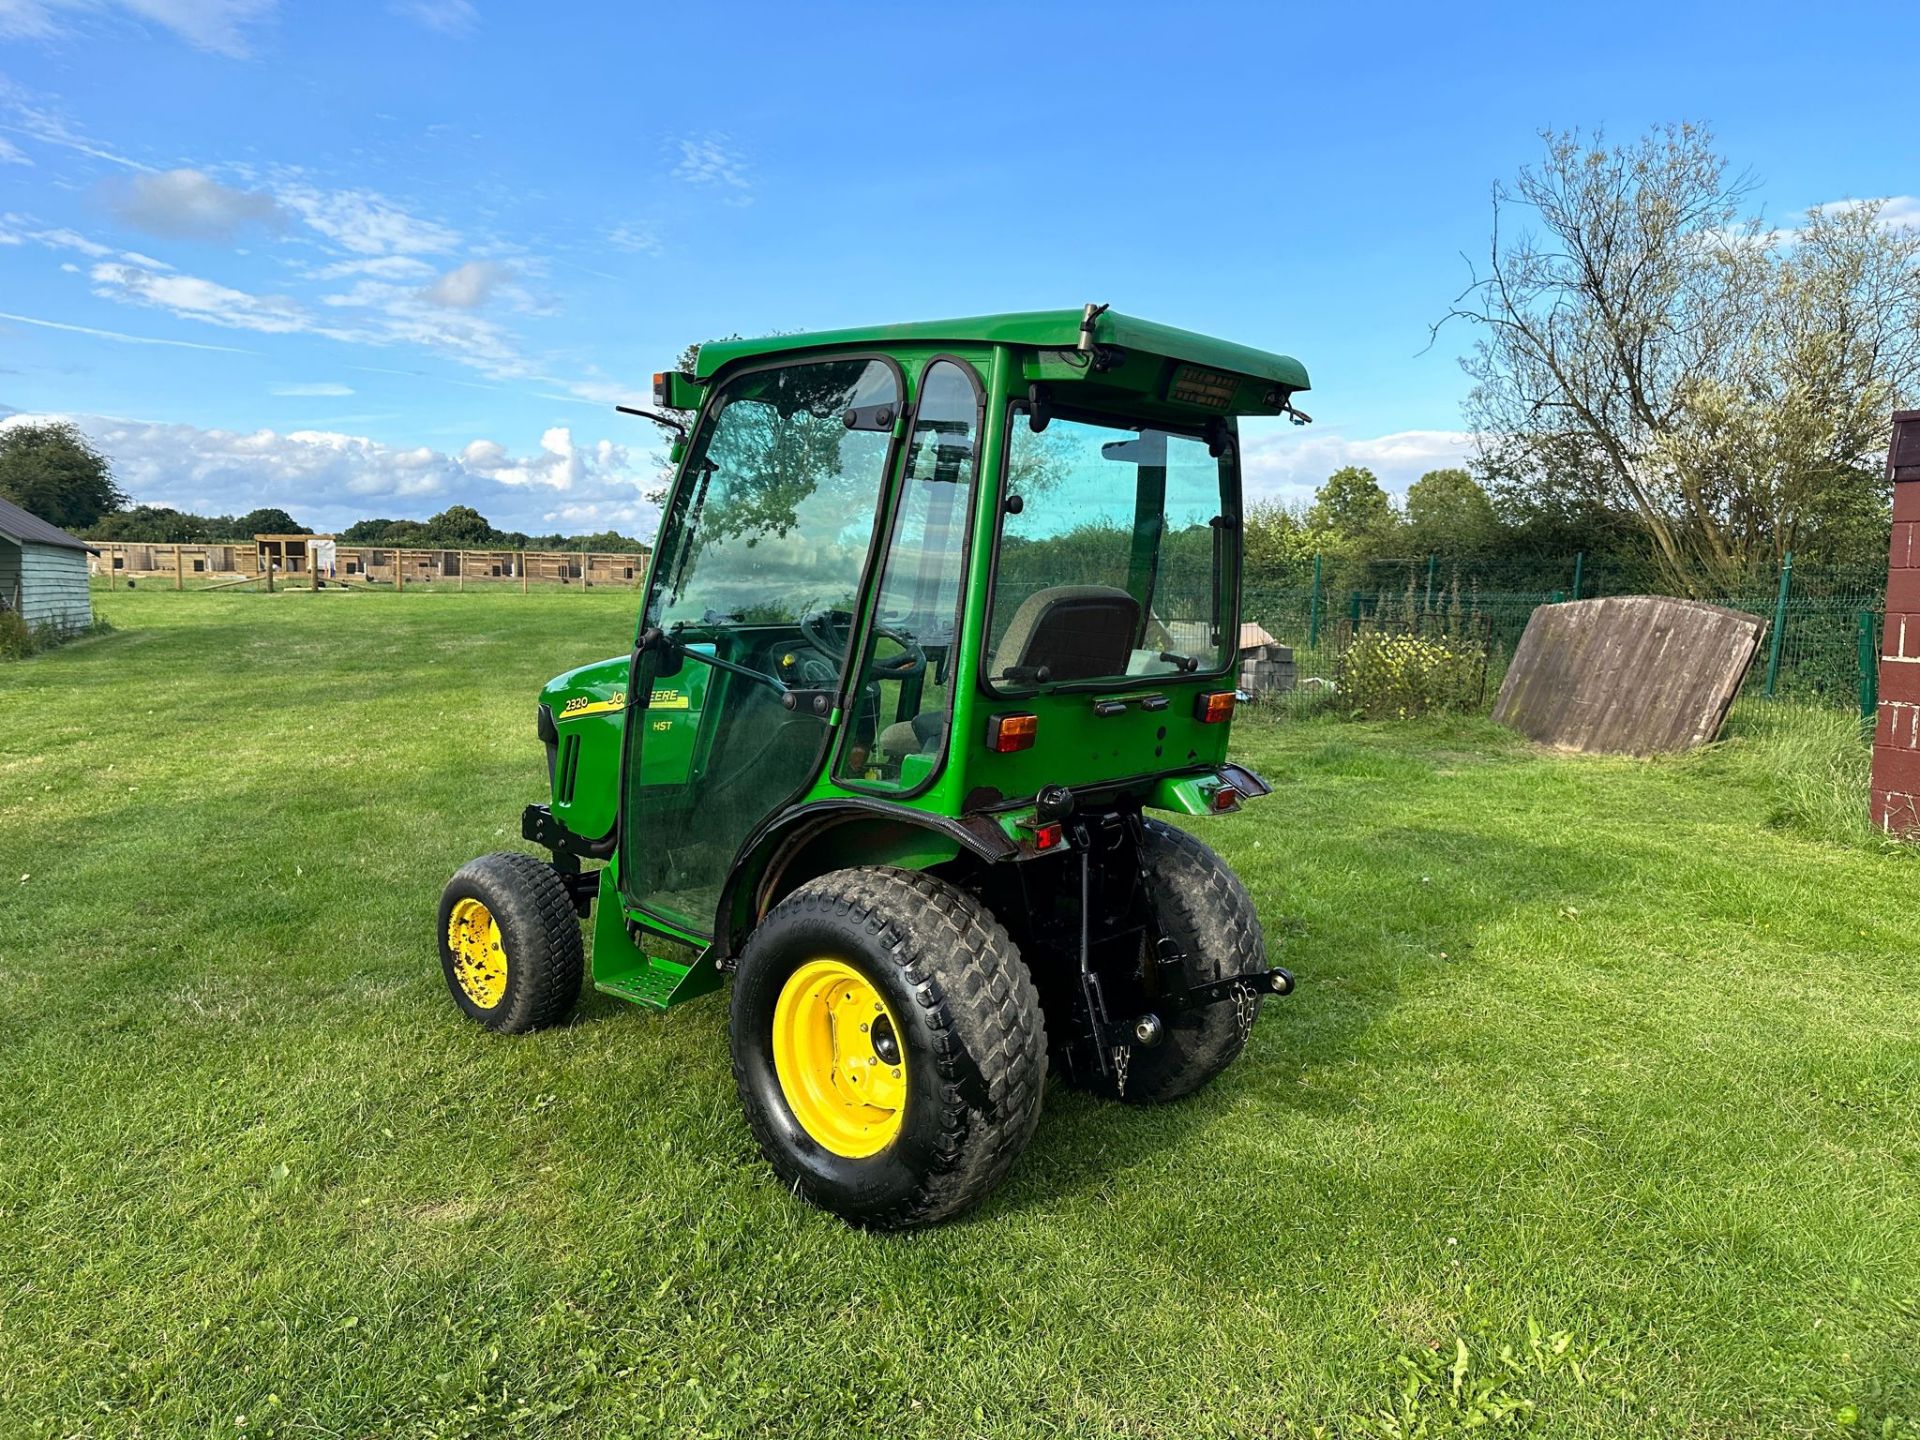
(378, 258)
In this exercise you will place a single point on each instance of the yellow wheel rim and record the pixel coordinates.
(840, 1058)
(479, 960)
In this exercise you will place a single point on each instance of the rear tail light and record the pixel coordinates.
(1213, 707)
(660, 390)
(1048, 837)
(1226, 798)
(1007, 733)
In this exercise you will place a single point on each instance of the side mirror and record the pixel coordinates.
(1039, 410)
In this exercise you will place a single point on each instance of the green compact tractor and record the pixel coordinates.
(937, 615)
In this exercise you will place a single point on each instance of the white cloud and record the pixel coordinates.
(330, 480)
(1287, 463)
(119, 337)
(636, 237)
(1897, 212)
(188, 204)
(196, 299)
(711, 161)
(379, 267)
(323, 387)
(1901, 210)
(10, 153)
(366, 223)
(70, 240)
(449, 17)
(220, 26)
(30, 118)
(467, 287)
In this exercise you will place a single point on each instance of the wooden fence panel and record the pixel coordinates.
(1628, 675)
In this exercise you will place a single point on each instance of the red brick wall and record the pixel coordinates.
(1896, 737)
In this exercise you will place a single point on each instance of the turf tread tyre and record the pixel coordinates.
(1201, 904)
(539, 930)
(972, 1017)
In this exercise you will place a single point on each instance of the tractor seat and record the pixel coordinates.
(922, 735)
(1078, 632)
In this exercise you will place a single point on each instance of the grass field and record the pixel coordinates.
(1597, 1110)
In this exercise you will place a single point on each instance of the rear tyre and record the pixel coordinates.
(1201, 905)
(888, 1046)
(510, 943)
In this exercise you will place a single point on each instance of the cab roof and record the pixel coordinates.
(1030, 329)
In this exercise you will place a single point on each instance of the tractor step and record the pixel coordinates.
(621, 967)
(653, 982)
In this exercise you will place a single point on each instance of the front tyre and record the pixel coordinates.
(888, 1046)
(510, 942)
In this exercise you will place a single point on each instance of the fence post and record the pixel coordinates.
(1779, 624)
(1353, 611)
(1579, 572)
(1433, 564)
(179, 567)
(1313, 607)
(1869, 669)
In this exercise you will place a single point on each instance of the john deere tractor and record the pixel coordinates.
(940, 618)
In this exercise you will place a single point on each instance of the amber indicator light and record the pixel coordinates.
(1007, 733)
(1213, 707)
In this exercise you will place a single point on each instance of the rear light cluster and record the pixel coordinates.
(1226, 798)
(1008, 733)
(1213, 707)
(1048, 837)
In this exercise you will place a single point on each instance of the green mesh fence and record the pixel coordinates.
(1813, 648)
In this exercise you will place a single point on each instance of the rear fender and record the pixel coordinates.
(811, 840)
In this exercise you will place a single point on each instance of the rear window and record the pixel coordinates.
(1115, 548)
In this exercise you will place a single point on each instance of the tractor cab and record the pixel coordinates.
(952, 599)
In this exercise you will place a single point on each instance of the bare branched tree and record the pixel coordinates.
(1648, 346)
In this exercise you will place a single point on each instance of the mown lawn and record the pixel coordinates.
(1593, 1063)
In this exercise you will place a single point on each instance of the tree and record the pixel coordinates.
(1650, 348)
(269, 521)
(461, 527)
(366, 532)
(52, 470)
(1447, 511)
(1352, 505)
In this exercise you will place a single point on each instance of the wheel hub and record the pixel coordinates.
(838, 1057)
(479, 959)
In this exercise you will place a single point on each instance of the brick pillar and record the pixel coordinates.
(1896, 737)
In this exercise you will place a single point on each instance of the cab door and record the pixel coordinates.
(762, 558)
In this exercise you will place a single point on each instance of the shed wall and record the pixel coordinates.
(52, 586)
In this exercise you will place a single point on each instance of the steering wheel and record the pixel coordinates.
(830, 631)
